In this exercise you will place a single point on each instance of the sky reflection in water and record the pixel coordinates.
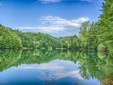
(56, 72)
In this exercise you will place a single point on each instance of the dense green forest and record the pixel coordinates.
(96, 36)
(16, 39)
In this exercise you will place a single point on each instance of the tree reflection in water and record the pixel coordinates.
(92, 65)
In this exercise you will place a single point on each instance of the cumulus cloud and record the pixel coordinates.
(55, 24)
(50, 1)
(54, 20)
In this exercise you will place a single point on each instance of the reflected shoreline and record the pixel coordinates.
(91, 65)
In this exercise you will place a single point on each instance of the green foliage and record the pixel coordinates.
(101, 55)
(109, 45)
(92, 36)
(38, 40)
(14, 39)
(101, 47)
(66, 41)
(75, 42)
(9, 39)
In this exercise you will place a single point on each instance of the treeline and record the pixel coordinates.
(15, 39)
(95, 36)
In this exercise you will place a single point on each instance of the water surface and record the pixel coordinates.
(36, 67)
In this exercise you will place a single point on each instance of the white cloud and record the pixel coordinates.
(44, 29)
(50, 1)
(64, 22)
(55, 24)
(58, 68)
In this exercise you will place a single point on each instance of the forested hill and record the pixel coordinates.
(92, 36)
(14, 39)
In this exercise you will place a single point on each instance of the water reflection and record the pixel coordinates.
(37, 67)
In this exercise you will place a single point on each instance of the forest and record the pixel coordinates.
(97, 36)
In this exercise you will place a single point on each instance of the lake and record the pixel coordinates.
(57, 67)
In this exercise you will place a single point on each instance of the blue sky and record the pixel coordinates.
(55, 17)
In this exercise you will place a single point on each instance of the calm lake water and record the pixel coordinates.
(36, 67)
